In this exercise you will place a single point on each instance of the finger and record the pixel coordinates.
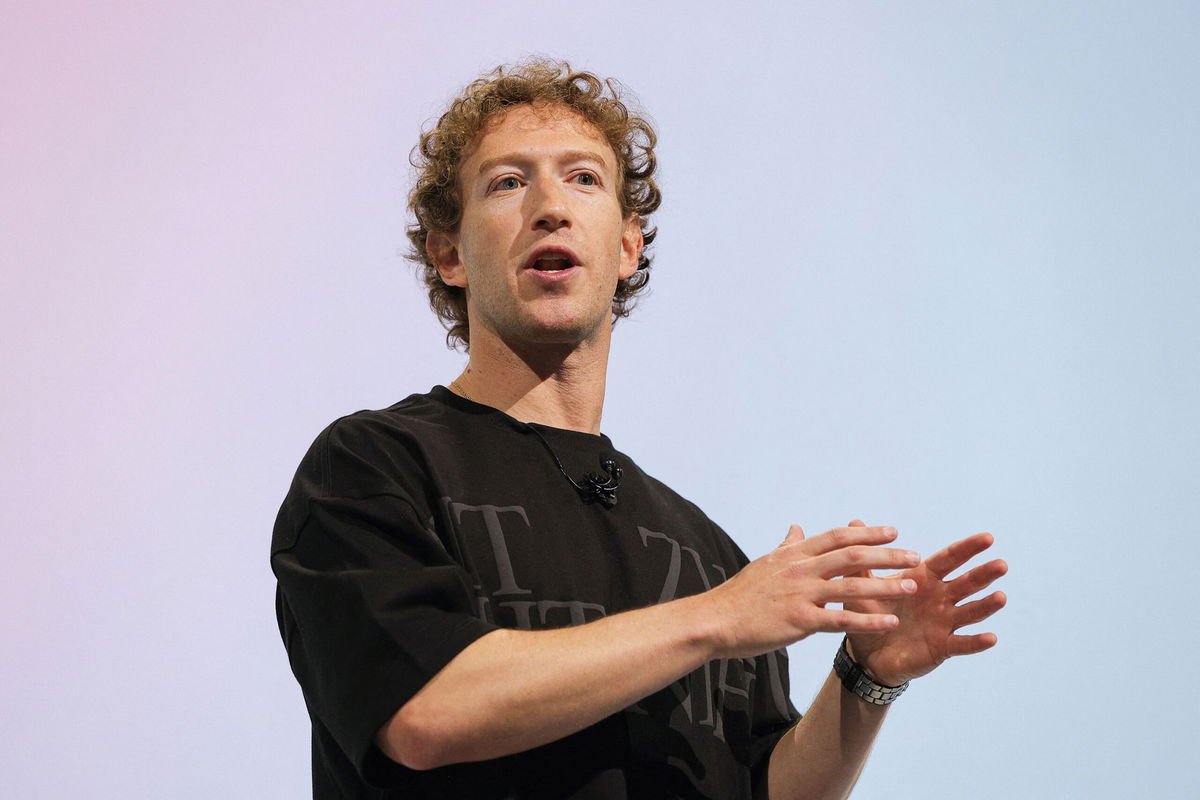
(979, 610)
(865, 573)
(976, 580)
(945, 561)
(841, 538)
(969, 645)
(855, 559)
(830, 620)
(856, 588)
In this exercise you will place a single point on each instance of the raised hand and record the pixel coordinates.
(930, 616)
(782, 597)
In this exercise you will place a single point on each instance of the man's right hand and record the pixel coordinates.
(780, 598)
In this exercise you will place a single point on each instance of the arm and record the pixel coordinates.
(823, 755)
(513, 690)
(490, 701)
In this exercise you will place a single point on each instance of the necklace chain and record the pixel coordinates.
(454, 384)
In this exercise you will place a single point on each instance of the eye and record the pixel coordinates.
(506, 184)
(587, 179)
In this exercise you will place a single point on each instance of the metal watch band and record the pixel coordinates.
(857, 682)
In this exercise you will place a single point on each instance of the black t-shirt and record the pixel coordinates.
(410, 532)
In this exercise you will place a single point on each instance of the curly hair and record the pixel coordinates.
(437, 206)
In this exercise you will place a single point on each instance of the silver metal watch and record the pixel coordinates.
(857, 682)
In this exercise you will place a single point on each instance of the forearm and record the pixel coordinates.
(823, 754)
(513, 690)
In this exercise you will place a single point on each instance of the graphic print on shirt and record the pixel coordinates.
(494, 605)
(681, 557)
(679, 570)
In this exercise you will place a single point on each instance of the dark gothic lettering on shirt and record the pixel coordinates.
(495, 531)
(702, 694)
(682, 558)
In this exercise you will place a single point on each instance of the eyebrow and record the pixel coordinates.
(516, 158)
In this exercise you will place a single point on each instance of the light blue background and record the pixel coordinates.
(929, 264)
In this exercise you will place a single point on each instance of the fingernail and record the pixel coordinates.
(908, 585)
(889, 532)
(913, 557)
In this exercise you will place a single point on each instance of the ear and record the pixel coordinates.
(442, 248)
(631, 246)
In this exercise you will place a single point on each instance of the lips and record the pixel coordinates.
(552, 259)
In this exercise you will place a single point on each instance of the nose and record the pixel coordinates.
(549, 201)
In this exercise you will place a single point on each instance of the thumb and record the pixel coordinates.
(795, 535)
(857, 523)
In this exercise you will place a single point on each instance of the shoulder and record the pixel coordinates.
(415, 416)
(366, 451)
(364, 458)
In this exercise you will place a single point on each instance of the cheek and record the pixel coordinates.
(491, 233)
(475, 247)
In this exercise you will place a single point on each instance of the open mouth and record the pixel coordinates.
(552, 259)
(552, 264)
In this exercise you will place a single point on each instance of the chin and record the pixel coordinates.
(562, 330)
(548, 324)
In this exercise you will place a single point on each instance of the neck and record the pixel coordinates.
(557, 385)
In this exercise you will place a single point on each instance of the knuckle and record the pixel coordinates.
(801, 620)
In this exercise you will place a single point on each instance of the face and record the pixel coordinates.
(542, 241)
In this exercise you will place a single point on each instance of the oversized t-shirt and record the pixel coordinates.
(411, 531)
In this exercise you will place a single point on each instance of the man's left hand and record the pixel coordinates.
(930, 616)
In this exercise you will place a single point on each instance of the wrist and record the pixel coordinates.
(859, 682)
(862, 657)
(703, 622)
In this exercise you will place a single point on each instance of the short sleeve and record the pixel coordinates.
(774, 713)
(371, 605)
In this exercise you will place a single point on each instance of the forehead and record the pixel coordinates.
(529, 127)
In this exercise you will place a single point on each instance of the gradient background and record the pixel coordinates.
(929, 264)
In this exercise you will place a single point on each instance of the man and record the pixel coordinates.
(482, 598)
